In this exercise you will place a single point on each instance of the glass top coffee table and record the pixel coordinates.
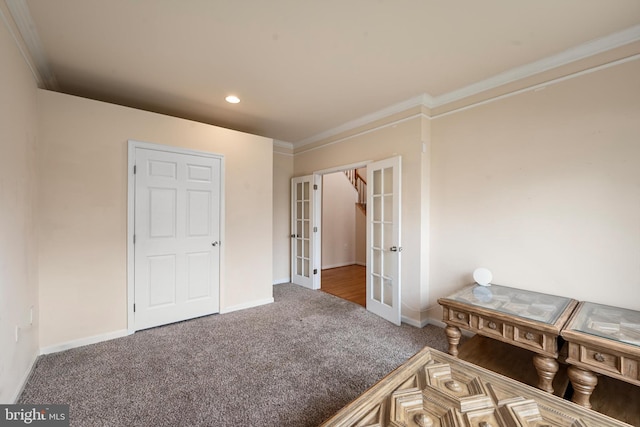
(526, 319)
(602, 339)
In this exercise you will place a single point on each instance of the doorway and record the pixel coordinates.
(383, 236)
(344, 235)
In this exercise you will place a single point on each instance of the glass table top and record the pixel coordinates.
(518, 302)
(618, 324)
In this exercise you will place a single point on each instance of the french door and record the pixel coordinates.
(303, 231)
(177, 233)
(383, 239)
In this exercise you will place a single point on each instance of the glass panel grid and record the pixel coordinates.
(526, 304)
(617, 324)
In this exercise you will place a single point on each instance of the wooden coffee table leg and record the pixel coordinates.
(453, 335)
(547, 368)
(583, 382)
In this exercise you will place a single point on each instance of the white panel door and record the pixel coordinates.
(177, 229)
(302, 242)
(383, 239)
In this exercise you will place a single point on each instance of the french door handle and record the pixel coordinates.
(294, 236)
(395, 249)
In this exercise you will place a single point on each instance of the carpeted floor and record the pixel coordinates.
(291, 363)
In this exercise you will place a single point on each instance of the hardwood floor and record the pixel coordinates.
(347, 282)
(611, 397)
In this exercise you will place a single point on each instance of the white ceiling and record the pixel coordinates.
(303, 67)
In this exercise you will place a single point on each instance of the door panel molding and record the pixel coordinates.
(195, 174)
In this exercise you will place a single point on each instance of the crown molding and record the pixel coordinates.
(420, 100)
(583, 51)
(282, 144)
(39, 62)
(540, 86)
(364, 132)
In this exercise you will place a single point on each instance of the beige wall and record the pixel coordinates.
(542, 188)
(402, 138)
(18, 244)
(282, 174)
(338, 221)
(83, 211)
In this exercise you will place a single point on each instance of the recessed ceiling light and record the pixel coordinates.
(232, 99)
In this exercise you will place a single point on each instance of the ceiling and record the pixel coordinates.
(303, 68)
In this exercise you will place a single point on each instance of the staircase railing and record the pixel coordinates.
(360, 185)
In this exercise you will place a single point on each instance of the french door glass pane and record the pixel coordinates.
(377, 208)
(387, 292)
(306, 210)
(387, 236)
(388, 180)
(376, 284)
(377, 235)
(299, 210)
(376, 259)
(377, 182)
(387, 214)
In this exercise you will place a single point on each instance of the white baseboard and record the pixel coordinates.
(413, 322)
(245, 305)
(438, 323)
(84, 341)
(344, 264)
(281, 281)
(25, 378)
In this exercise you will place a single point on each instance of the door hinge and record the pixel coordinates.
(315, 186)
(315, 229)
(134, 239)
(315, 271)
(134, 308)
(134, 169)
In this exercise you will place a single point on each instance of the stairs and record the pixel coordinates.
(358, 182)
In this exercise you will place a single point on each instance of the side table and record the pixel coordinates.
(605, 340)
(526, 319)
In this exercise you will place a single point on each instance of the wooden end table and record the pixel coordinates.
(525, 319)
(605, 340)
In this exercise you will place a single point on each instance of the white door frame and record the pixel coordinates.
(317, 177)
(132, 146)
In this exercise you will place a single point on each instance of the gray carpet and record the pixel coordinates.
(291, 363)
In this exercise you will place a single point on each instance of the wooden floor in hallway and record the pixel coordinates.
(349, 282)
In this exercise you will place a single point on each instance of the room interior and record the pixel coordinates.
(517, 127)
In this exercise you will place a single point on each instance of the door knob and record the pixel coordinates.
(214, 243)
(395, 249)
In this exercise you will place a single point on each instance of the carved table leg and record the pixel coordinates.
(453, 335)
(547, 368)
(583, 382)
